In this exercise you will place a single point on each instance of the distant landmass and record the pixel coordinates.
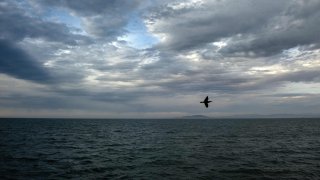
(274, 116)
(251, 116)
(195, 117)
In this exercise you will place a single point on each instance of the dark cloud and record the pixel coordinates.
(39, 102)
(104, 19)
(177, 76)
(218, 79)
(16, 25)
(94, 7)
(272, 41)
(219, 83)
(262, 28)
(187, 28)
(265, 48)
(310, 75)
(15, 62)
(272, 81)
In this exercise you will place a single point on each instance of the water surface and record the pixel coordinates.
(160, 149)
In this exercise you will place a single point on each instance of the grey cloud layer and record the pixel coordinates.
(268, 45)
(261, 27)
(16, 25)
(15, 62)
(104, 19)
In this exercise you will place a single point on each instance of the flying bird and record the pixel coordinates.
(206, 102)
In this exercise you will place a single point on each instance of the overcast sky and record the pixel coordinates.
(158, 58)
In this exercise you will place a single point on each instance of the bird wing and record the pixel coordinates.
(206, 99)
(206, 104)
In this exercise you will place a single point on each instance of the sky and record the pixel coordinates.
(158, 58)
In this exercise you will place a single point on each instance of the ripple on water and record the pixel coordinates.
(159, 149)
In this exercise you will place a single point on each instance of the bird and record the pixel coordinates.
(206, 102)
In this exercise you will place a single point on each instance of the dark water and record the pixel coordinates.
(160, 149)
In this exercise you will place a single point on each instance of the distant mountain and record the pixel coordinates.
(272, 116)
(254, 116)
(195, 117)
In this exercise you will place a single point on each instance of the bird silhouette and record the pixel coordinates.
(206, 102)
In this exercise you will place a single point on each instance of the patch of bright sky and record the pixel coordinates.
(186, 4)
(63, 16)
(138, 35)
(273, 69)
(292, 53)
(220, 44)
(301, 87)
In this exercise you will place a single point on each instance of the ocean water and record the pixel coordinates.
(160, 149)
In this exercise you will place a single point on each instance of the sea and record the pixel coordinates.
(160, 149)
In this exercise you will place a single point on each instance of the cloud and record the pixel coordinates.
(310, 75)
(94, 7)
(17, 63)
(27, 26)
(103, 19)
(262, 28)
(17, 25)
(252, 55)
